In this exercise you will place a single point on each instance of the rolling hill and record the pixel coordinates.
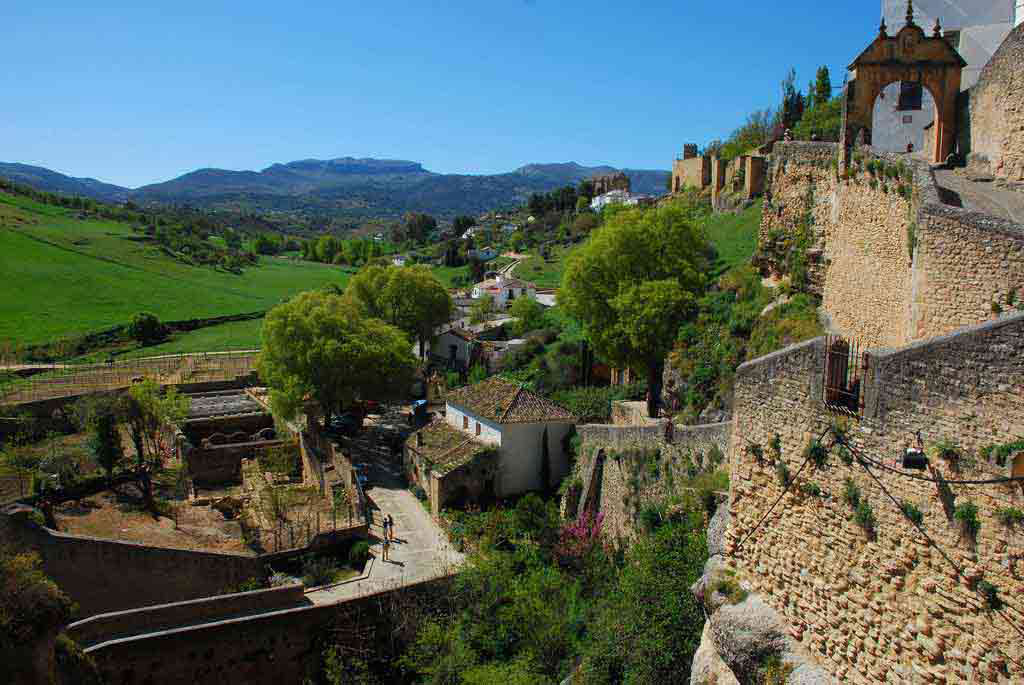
(343, 187)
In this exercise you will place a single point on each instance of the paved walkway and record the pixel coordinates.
(421, 550)
(990, 197)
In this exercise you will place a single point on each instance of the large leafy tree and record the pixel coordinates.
(319, 346)
(634, 283)
(409, 298)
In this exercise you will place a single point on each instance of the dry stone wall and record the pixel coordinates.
(887, 608)
(621, 469)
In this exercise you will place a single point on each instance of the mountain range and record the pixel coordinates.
(342, 187)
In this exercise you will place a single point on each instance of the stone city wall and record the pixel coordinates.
(888, 607)
(997, 112)
(892, 263)
(617, 472)
(217, 464)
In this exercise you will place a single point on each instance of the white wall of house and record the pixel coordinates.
(520, 456)
(441, 347)
(467, 422)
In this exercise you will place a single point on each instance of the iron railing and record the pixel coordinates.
(845, 374)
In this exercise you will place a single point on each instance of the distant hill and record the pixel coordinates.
(51, 181)
(348, 187)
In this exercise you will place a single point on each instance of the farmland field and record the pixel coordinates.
(64, 276)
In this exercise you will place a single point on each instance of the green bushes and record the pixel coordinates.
(864, 516)
(594, 404)
(851, 493)
(991, 595)
(358, 554)
(782, 474)
(967, 515)
(911, 511)
(731, 590)
(146, 328)
(1010, 516)
(816, 453)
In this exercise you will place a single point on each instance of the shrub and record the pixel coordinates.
(948, 450)
(991, 594)
(420, 493)
(772, 671)
(775, 445)
(359, 553)
(997, 308)
(845, 455)
(816, 453)
(864, 516)
(851, 493)
(967, 515)
(754, 449)
(650, 518)
(317, 570)
(1010, 516)
(146, 328)
(782, 473)
(1011, 297)
(811, 489)
(911, 511)
(731, 589)
(1000, 453)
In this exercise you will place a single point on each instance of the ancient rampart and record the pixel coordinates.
(623, 468)
(892, 263)
(997, 112)
(862, 588)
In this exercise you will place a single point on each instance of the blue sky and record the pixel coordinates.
(132, 94)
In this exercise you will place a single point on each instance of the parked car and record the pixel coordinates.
(348, 424)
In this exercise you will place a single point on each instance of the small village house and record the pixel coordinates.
(504, 290)
(497, 439)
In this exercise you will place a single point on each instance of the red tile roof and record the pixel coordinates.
(503, 401)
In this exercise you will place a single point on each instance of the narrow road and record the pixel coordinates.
(421, 550)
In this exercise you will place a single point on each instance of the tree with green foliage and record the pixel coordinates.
(150, 411)
(32, 609)
(409, 298)
(461, 223)
(529, 315)
(822, 86)
(418, 226)
(146, 328)
(634, 283)
(101, 417)
(319, 347)
(482, 309)
(754, 132)
(792, 108)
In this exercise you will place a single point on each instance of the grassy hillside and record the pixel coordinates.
(734, 236)
(546, 273)
(64, 276)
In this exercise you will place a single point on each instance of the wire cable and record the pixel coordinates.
(914, 476)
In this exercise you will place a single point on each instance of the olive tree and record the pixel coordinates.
(409, 298)
(320, 347)
(634, 282)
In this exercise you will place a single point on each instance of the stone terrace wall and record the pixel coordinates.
(621, 485)
(997, 111)
(112, 575)
(888, 609)
(890, 270)
(270, 649)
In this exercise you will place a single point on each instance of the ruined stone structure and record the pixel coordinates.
(610, 182)
(743, 176)
(887, 606)
(997, 112)
(621, 469)
(913, 56)
(892, 262)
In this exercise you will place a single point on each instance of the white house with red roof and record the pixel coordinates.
(504, 290)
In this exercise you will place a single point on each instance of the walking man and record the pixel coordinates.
(385, 547)
(391, 527)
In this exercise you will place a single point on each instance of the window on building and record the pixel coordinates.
(478, 428)
(465, 423)
(910, 96)
(845, 373)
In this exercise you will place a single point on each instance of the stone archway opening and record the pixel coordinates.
(909, 56)
(903, 118)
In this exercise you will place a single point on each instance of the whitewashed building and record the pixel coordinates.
(497, 439)
(504, 290)
(620, 197)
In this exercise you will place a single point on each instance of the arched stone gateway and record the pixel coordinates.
(909, 56)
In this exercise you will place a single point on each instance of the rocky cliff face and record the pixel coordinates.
(744, 641)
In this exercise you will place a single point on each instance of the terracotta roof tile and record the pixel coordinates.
(503, 401)
(445, 447)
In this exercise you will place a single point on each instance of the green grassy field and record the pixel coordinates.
(65, 276)
(734, 236)
(545, 273)
(448, 274)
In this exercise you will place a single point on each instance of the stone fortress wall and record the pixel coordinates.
(887, 608)
(618, 474)
(891, 268)
(997, 112)
(744, 175)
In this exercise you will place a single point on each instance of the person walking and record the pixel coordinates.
(385, 548)
(391, 528)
